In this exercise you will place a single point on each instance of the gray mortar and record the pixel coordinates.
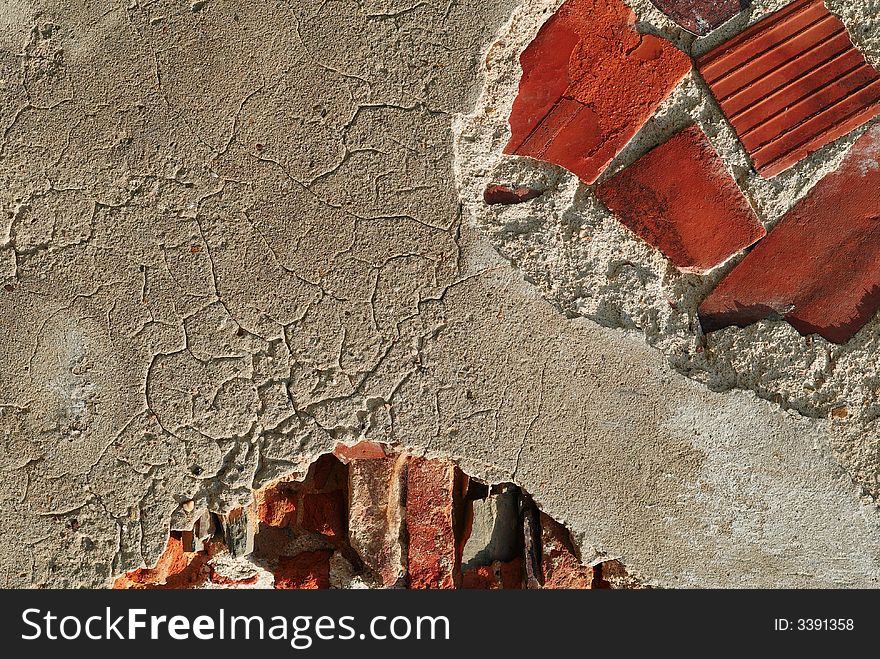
(588, 264)
(209, 314)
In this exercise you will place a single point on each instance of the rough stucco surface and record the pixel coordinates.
(233, 237)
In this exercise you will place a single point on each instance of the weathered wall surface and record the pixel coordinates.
(232, 238)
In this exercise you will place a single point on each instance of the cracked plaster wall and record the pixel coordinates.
(232, 237)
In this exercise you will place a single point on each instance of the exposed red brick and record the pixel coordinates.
(175, 568)
(496, 576)
(791, 84)
(561, 566)
(589, 83)
(433, 555)
(819, 269)
(360, 451)
(375, 495)
(309, 570)
(276, 505)
(681, 199)
(505, 194)
(701, 16)
(325, 473)
(324, 513)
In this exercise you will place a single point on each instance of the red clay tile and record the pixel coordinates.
(701, 16)
(681, 199)
(505, 194)
(589, 83)
(791, 84)
(819, 269)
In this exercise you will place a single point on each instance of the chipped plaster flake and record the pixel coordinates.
(584, 261)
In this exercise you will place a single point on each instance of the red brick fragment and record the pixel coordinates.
(701, 16)
(791, 84)
(309, 570)
(325, 473)
(324, 513)
(360, 451)
(505, 194)
(433, 557)
(561, 566)
(175, 568)
(681, 199)
(819, 269)
(276, 505)
(589, 83)
(496, 576)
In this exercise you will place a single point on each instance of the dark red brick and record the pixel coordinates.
(496, 576)
(791, 84)
(309, 570)
(590, 81)
(504, 194)
(681, 199)
(433, 556)
(701, 16)
(324, 513)
(819, 269)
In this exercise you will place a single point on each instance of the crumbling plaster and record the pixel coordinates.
(232, 238)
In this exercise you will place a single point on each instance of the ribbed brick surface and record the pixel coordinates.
(700, 16)
(681, 199)
(819, 269)
(589, 83)
(791, 84)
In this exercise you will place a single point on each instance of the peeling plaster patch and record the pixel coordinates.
(583, 261)
(411, 523)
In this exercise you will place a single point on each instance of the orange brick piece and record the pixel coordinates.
(681, 199)
(819, 269)
(791, 84)
(589, 83)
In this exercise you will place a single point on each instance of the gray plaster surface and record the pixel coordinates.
(232, 237)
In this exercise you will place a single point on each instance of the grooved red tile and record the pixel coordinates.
(819, 269)
(791, 84)
(700, 16)
(589, 83)
(681, 199)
